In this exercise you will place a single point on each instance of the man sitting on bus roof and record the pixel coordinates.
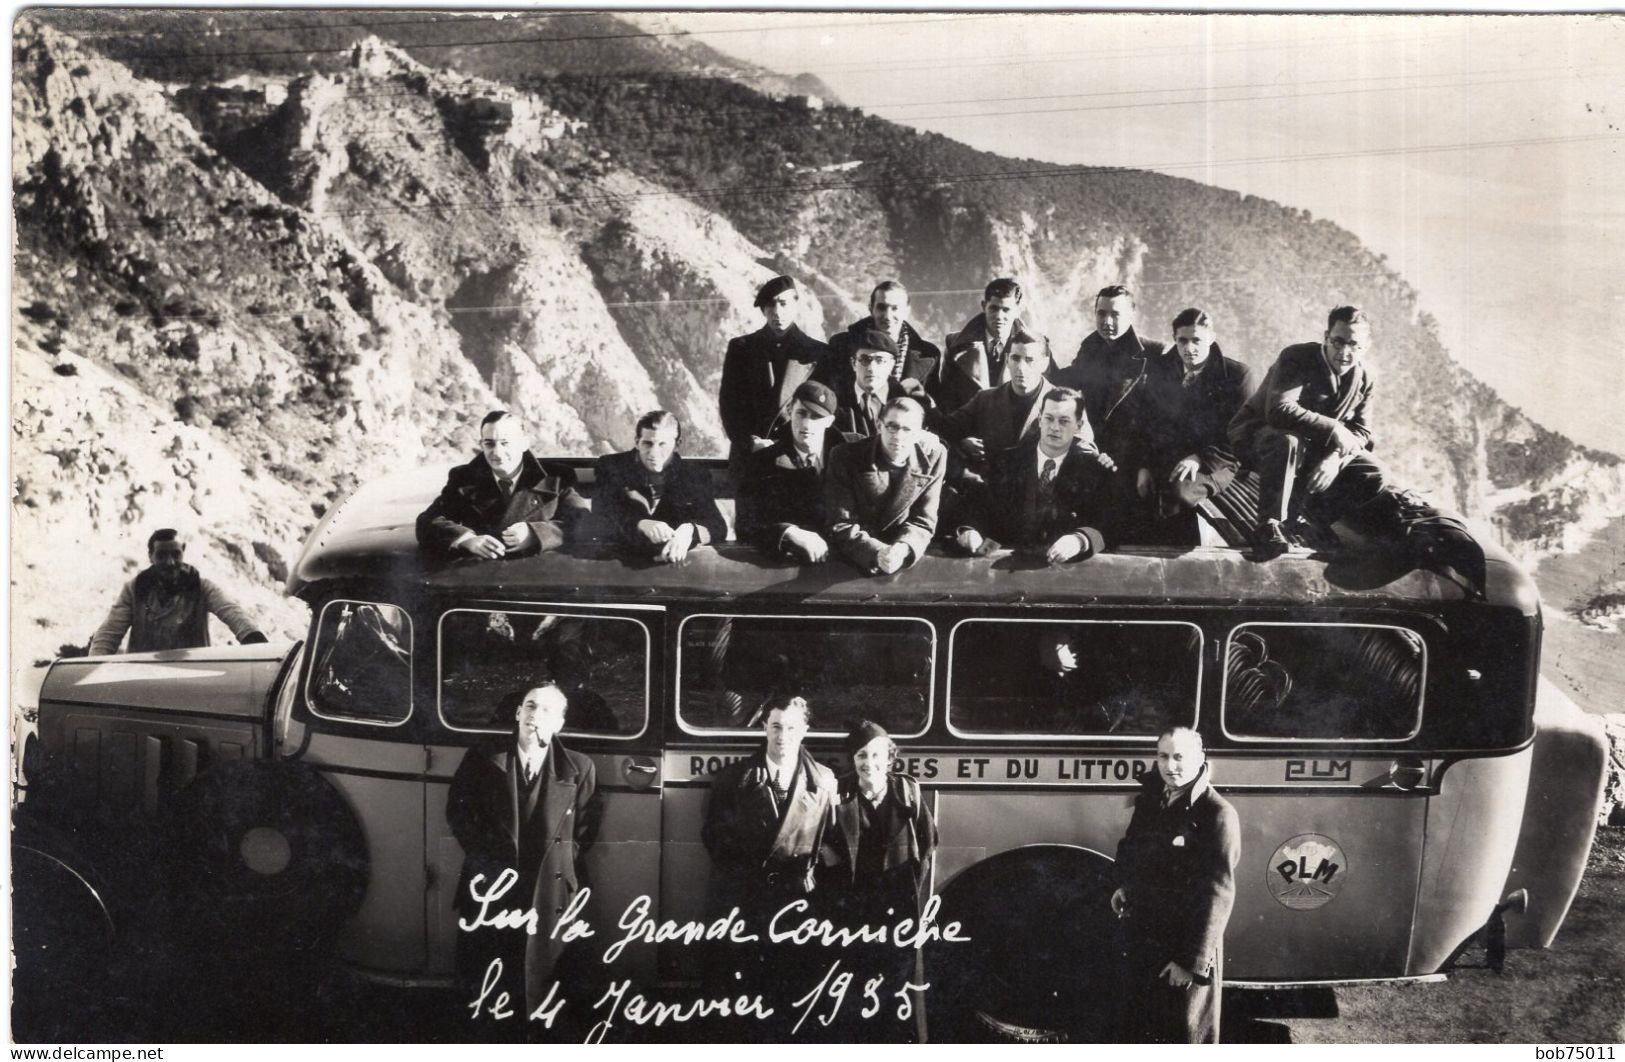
(503, 502)
(781, 499)
(654, 502)
(974, 356)
(1046, 493)
(888, 312)
(882, 493)
(761, 370)
(863, 383)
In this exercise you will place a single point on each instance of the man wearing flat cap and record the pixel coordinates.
(865, 382)
(781, 498)
(760, 371)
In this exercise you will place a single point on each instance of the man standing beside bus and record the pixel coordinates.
(656, 504)
(1176, 884)
(882, 494)
(167, 606)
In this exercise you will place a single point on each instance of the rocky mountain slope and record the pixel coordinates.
(242, 288)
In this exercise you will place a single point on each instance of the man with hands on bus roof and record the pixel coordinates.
(882, 494)
(760, 371)
(1046, 493)
(1176, 884)
(781, 498)
(503, 502)
(655, 503)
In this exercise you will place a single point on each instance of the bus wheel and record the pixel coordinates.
(62, 933)
(1039, 966)
(267, 854)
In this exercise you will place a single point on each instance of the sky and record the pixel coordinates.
(1483, 155)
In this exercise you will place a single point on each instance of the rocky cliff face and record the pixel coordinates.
(231, 303)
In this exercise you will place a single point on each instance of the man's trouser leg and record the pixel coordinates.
(1276, 455)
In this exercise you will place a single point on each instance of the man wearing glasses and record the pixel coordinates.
(882, 493)
(1307, 431)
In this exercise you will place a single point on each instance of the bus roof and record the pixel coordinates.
(370, 535)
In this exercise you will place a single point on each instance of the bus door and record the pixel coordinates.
(1332, 821)
(606, 661)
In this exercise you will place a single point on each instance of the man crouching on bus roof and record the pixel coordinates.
(655, 503)
(882, 493)
(764, 823)
(504, 502)
(1176, 874)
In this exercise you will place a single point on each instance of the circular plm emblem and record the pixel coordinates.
(1307, 872)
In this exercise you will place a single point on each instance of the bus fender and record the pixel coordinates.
(1040, 962)
(1566, 780)
(269, 849)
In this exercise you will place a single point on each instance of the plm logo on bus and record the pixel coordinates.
(1307, 872)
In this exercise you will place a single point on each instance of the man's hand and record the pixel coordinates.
(655, 532)
(759, 443)
(1060, 658)
(973, 448)
(1324, 472)
(1176, 975)
(892, 558)
(677, 546)
(1186, 470)
(1064, 549)
(808, 544)
(1144, 482)
(1119, 903)
(484, 547)
(1105, 461)
(253, 638)
(969, 539)
(518, 536)
(1345, 441)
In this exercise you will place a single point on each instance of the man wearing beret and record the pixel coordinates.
(865, 382)
(760, 371)
(781, 498)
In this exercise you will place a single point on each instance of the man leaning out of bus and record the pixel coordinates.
(654, 503)
(1176, 883)
(882, 493)
(1046, 494)
(503, 502)
(781, 498)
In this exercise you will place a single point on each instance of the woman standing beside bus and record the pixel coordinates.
(875, 863)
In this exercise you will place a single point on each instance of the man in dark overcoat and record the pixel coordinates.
(525, 810)
(882, 494)
(653, 502)
(1186, 458)
(1045, 495)
(760, 371)
(917, 359)
(1176, 884)
(503, 502)
(781, 498)
(974, 356)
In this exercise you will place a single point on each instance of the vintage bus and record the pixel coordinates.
(1402, 774)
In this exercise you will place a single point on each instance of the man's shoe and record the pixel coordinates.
(1271, 540)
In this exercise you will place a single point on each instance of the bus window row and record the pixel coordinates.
(1029, 679)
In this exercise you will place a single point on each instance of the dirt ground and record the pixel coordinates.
(1573, 992)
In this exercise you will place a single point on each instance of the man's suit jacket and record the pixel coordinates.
(746, 834)
(760, 373)
(922, 361)
(1301, 396)
(623, 498)
(866, 513)
(777, 494)
(850, 419)
(1007, 508)
(539, 831)
(544, 496)
(965, 368)
(990, 416)
(1113, 378)
(1185, 420)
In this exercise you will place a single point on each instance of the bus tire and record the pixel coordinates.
(1040, 963)
(268, 853)
(63, 932)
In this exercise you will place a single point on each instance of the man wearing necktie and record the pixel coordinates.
(917, 359)
(504, 502)
(781, 498)
(864, 383)
(524, 814)
(1045, 495)
(975, 357)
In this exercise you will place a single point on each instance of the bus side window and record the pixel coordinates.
(1353, 682)
(600, 662)
(1045, 679)
(363, 663)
